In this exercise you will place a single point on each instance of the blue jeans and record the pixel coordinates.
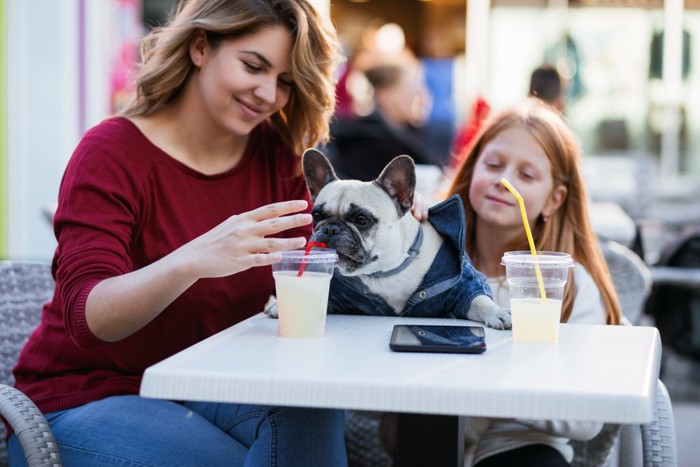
(135, 431)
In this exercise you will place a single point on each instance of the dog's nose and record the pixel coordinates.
(331, 229)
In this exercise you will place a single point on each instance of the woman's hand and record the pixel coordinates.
(121, 305)
(242, 242)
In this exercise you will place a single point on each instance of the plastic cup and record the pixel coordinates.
(302, 299)
(536, 319)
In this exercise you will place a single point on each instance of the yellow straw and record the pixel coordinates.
(523, 213)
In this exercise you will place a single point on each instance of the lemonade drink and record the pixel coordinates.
(535, 320)
(302, 302)
(536, 298)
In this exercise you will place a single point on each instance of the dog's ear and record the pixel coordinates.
(318, 171)
(398, 179)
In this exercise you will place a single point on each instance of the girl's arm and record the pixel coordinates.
(579, 431)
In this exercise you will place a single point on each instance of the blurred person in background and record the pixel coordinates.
(468, 131)
(168, 218)
(547, 85)
(380, 43)
(361, 146)
(438, 59)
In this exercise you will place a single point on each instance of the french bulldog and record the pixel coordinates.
(389, 263)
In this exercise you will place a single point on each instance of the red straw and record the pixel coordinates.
(307, 250)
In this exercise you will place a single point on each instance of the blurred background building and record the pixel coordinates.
(630, 68)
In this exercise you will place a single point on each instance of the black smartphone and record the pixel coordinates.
(438, 338)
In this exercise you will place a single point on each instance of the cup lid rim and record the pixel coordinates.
(316, 255)
(544, 258)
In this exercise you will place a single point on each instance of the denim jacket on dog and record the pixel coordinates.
(447, 289)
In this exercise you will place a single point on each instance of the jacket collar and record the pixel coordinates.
(447, 217)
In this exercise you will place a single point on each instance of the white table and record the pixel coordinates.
(594, 373)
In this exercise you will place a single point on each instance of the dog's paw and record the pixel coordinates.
(271, 307)
(499, 319)
(485, 310)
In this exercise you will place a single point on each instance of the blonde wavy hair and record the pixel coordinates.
(569, 229)
(166, 63)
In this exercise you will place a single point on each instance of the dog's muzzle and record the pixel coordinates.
(351, 254)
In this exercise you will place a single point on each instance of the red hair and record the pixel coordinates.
(569, 229)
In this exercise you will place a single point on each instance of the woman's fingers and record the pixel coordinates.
(277, 217)
(269, 245)
(264, 259)
(280, 224)
(274, 210)
(246, 240)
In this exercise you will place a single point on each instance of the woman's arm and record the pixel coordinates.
(135, 231)
(119, 306)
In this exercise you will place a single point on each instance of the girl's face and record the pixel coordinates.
(516, 156)
(244, 80)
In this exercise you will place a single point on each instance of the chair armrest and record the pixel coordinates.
(659, 435)
(596, 451)
(675, 275)
(30, 427)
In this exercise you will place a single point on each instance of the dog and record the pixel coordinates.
(389, 263)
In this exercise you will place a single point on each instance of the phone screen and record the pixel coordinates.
(437, 338)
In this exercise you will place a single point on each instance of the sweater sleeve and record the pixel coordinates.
(588, 305)
(94, 225)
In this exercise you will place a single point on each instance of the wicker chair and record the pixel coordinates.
(658, 440)
(24, 287)
(631, 277)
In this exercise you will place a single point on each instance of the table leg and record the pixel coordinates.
(434, 440)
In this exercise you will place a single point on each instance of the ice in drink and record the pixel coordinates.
(535, 320)
(302, 302)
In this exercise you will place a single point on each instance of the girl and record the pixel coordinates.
(532, 147)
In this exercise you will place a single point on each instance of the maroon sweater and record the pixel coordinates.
(124, 203)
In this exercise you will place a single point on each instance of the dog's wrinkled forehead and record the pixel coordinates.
(340, 197)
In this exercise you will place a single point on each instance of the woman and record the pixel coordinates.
(531, 146)
(164, 214)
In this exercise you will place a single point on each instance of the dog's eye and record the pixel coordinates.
(362, 220)
(317, 216)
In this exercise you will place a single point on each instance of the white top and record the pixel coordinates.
(494, 435)
(352, 367)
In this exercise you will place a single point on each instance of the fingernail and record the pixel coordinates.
(306, 218)
(301, 204)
